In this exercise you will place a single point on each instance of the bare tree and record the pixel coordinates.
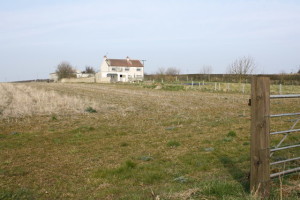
(206, 69)
(65, 70)
(242, 66)
(161, 71)
(282, 72)
(89, 70)
(172, 71)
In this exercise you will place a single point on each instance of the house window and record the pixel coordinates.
(113, 69)
(126, 69)
(138, 69)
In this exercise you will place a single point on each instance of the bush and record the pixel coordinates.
(65, 70)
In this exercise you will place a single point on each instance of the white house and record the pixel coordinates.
(54, 77)
(120, 70)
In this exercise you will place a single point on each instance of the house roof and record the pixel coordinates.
(124, 62)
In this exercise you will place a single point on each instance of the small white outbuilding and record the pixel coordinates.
(120, 70)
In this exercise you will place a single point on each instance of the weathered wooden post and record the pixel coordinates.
(280, 88)
(260, 137)
(228, 87)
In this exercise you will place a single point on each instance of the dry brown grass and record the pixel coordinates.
(19, 101)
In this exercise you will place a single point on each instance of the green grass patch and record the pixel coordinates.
(82, 129)
(231, 134)
(173, 87)
(19, 193)
(173, 143)
(122, 172)
(223, 189)
(149, 86)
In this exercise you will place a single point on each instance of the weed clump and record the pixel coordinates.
(231, 134)
(90, 110)
(53, 118)
(124, 144)
(173, 143)
(129, 164)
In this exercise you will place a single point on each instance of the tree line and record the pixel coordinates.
(66, 70)
(241, 66)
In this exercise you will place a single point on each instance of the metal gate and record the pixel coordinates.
(261, 152)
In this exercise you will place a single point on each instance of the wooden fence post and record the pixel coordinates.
(260, 137)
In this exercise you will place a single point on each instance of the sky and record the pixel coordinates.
(37, 35)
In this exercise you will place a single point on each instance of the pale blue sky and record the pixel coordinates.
(35, 35)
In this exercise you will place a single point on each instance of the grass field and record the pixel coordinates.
(114, 141)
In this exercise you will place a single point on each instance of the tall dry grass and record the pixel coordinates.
(18, 100)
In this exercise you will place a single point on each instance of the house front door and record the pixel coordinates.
(122, 78)
(113, 77)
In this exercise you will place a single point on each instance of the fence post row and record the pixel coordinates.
(260, 140)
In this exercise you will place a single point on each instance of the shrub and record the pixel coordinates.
(65, 70)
